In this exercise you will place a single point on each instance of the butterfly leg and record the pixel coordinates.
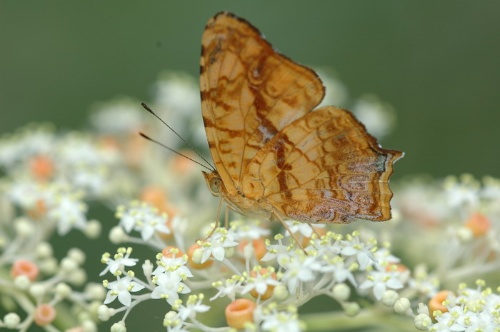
(290, 231)
(216, 220)
(314, 230)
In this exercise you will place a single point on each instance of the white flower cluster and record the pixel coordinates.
(251, 276)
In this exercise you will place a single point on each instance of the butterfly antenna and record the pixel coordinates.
(146, 107)
(172, 150)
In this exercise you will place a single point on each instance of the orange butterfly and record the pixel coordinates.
(275, 157)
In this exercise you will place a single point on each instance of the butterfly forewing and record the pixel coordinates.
(249, 93)
(274, 157)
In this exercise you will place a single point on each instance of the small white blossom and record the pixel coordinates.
(121, 289)
(168, 286)
(299, 268)
(260, 282)
(217, 244)
(192, 307)
(229, 288)
(379, 281)
(69, 211)
(120, 259)
(143, 218)
(280, 321)
(353, 247)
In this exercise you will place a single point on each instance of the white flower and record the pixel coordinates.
(379, 281)
(303, 228)
(248, 229)
(280, 321)
(229, 288)
(298, 269)
(33, 140)
(169, 286)
(377, 116)
(177, 264)
(353, 247)
(260, 282)
(338, 268)
(193, 306)
(121, 259)
(143, 218)
(463, 192)
(121, 289)
(27, 193)
(216, 245)
(118, 117)
(68, 211)
(279, 251)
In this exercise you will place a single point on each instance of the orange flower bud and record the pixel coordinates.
(479, 224)
(240, 312)
(436, 303)
(270, 288)
(26, 268)
(192, 251)
(259, 247)
(44, 314)
(171, 251)
(42, 167)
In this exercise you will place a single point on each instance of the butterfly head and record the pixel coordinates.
(214, 183)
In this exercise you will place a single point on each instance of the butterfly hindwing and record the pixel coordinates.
(324, 167)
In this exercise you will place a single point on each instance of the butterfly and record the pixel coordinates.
(275, 156)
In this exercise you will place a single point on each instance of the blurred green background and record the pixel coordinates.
(436, 62)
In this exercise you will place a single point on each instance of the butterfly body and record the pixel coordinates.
(276, 157)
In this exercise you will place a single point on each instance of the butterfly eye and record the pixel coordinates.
(215, 184)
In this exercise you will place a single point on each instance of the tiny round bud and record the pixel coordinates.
(240, 312)
(48, 265)
(104, 313)
(44, 250)
(280, 292)
(402, 305)
(89, 326)
(341, 292)
(68, 265)
(37, 290)
(422, 322)
(119, 327)
(117, 235)
(63, 290)
(44, 314)
(78, 277)
(170, 315)
(147, 267)
(389, 298)
(77, 255)
(464, 234)
(351, 309)
(95, 291)
(11, 320)
(93, 229)
(22, 282)
(24, 227)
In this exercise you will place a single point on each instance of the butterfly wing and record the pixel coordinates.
(249, 92)
(324, 167)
